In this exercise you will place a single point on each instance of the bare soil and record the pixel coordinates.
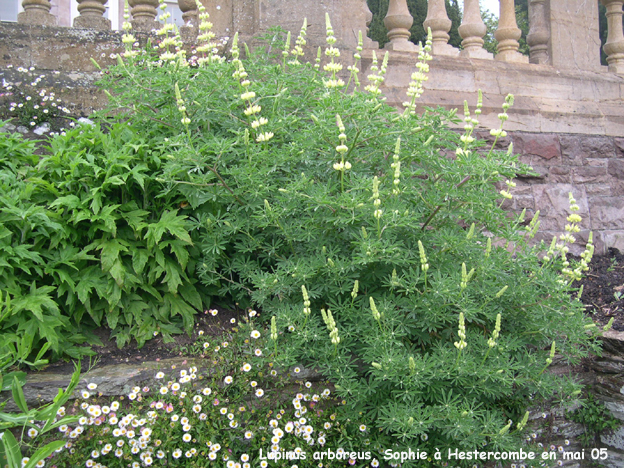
(603, 289)
(108, 352)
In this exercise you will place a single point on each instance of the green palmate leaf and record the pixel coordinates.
(139, 259)
(191, 295)
(96, 201)
(112, 317)
(11, 450)
(91, 278)
(36, 301)
(136, 307)
(113, 295)
(110, 252)
(136, 219)
(177, 306)
(169, 222)
(179, 249)
(118, 272)
(43, 452)
(18, 394)
(71, 202)
(173, 276)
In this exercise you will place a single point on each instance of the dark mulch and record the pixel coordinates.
(603, 289)
(155, 349)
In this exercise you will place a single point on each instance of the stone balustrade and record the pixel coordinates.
(548, 38)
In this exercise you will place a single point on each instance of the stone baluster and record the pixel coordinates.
(189, 30)
(398, 21)
(189, 12)
(92, 15)
(508, 34)
(36, 12)
(472, 31)
(440, 24)
(144, 14)
(539, 32)
(614, 48)
(368, 18)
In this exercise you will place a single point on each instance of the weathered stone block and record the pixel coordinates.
(522, 189)
(553, 203)
(597, 162)
(598, 190)
(616, 168)
(559, 175)
(575, 149)
(524, 201)
(571, 152)
(607, 212)
(589, 174)
(614, 239)
(545, 146)
(619, 146)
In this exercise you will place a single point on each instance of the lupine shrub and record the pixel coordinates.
(376, 238)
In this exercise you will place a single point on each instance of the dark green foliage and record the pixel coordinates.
(30, 235)
(522, 19)
(595, 417)
(90, 237)
(135, 272)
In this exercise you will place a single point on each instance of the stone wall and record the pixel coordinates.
(589, 166)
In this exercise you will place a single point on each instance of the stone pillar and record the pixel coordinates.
(574, 35)
(144, 14)
(92, 15)
(440, 24)
(36, 12)
(539, 32)
(368, 18)
(189, 12)
(398, 21)
(472, 31)
(508, 34)
(189, 30)
(614, 48)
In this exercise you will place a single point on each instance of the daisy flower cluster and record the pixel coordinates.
(221, 417)
(30, 104)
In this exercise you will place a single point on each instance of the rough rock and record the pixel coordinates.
(118, 379)
(545, 146)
